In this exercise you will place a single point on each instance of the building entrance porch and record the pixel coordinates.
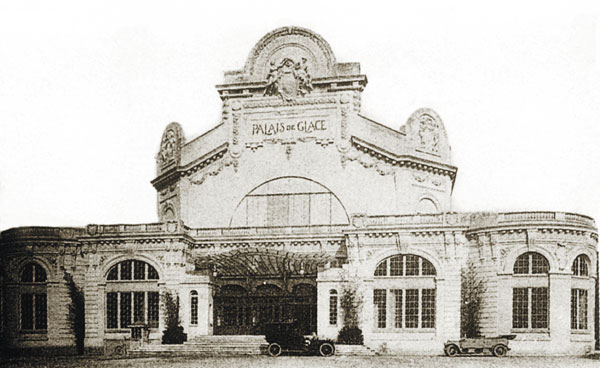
(257, 286)
(238, 312)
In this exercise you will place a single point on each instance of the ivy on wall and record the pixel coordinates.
(76, 316)
(472, 290)
(351, 304)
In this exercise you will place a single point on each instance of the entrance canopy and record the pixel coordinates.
(264, 263)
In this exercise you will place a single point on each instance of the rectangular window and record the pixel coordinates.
(428, 308)
(579, 309)
(412, 308)
(153, 309)
(379, 300)
(333, 309)
(27, 311)
(111, 310)
(41, 320)
(520, 308)
(539, 307)
(398, 306)
(125, 309)
(194, 310)
(138, 270)
(138, 307)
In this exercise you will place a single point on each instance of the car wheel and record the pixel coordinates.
(451, 350)
(326, 349)
(499, 350)
(274, 349)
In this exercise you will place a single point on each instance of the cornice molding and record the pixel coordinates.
(175, 173)
(405, 160)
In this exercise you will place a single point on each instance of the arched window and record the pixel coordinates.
(427, 205)
(131, 294)
(581, 265)
(333, 307)
(404, 294)
(33, 298)
(531, 263)
(289, 201)
(193, 307)
(530, 302)
(579, 293)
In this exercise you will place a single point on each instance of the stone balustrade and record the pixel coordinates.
(475, 219)
(469, 221)
(43, 232)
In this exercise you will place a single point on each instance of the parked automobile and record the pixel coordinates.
(498, 346)
(287, 337)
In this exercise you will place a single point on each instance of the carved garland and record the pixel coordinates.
(214, 170)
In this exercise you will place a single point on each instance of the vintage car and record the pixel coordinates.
(498, 346)
(287, 337)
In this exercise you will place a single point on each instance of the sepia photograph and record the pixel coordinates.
(292, 184)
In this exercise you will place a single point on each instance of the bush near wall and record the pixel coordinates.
(173, 334)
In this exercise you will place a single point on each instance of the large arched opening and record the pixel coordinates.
(289, 201)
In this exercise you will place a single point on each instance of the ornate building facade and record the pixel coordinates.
(291, 200)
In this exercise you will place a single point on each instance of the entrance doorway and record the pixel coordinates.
(238, 312)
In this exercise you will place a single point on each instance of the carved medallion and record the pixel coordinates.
(288, 79)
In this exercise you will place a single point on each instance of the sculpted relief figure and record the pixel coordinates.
(272, 80)
(289, 79)
(428, 133)
(301, 73)
(167, 147)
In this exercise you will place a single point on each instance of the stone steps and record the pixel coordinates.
(208, 345)
(230, 346)
(353, 350)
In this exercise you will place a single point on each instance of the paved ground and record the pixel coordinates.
(306, 362)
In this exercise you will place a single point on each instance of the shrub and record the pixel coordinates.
(350, 336)
(173, 334)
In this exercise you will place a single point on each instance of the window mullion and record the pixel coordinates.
(529, 307)
(33, 299)
(132, 301)
(403, 308)
(119, 310)
(419, 308)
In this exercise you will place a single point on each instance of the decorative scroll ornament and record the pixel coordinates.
(288, 79)
(170, 145)
(167, 147)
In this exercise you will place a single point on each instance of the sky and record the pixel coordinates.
(87, 88)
